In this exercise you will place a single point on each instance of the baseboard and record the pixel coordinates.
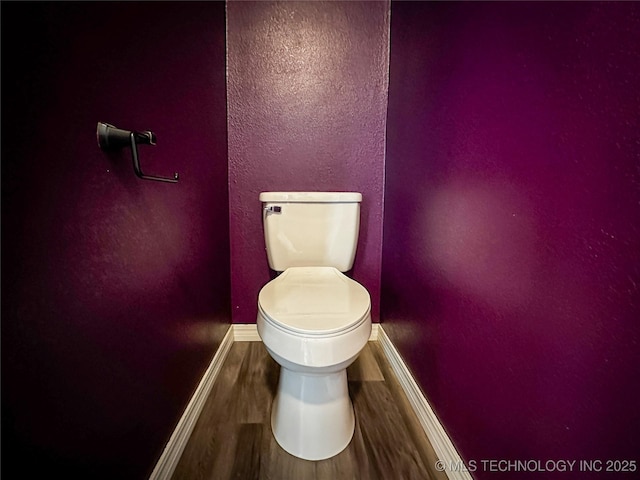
(173, 450)
(374, 332)
(432, 427)
(245, 332)
(248, 332)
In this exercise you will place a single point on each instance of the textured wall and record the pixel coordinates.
(115, 290)
(307, 96)
(511, 259)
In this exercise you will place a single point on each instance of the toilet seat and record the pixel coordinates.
(317, 301)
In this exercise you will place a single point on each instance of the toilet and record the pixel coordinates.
(312, 318)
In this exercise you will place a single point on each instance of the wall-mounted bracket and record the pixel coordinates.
(112, 138)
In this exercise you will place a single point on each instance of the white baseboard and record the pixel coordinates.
(173, 450)
(374, 332)
(432, 427)
(249, 333)
(246, 332)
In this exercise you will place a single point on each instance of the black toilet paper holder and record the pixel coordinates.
(112, 138)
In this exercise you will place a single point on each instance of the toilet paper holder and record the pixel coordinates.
(113, 138)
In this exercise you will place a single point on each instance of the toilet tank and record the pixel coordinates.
(311, 229)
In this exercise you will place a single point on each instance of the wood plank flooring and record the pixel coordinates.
(232, 438)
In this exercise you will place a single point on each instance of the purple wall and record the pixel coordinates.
(511, 258)
(115, 290)
(307, 97)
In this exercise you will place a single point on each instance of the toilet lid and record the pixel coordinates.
(314, 300)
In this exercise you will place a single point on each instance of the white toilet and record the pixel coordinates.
(313, 319)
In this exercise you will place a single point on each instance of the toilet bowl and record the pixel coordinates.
(314, 321)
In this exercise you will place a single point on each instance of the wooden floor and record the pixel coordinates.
(232, 438)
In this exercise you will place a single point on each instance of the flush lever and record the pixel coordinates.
(272, 209)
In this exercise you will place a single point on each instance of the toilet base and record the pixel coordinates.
(312, 415)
